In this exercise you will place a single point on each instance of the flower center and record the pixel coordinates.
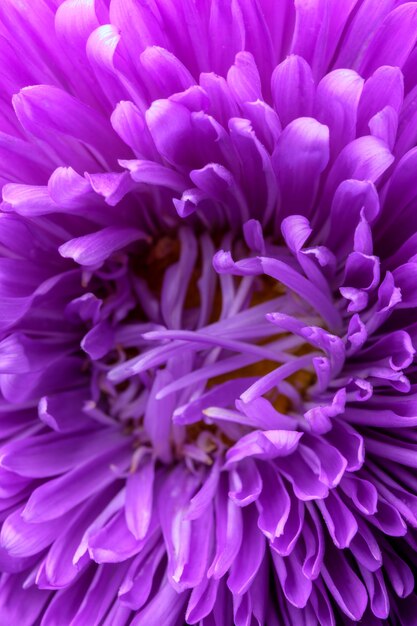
(194, 353)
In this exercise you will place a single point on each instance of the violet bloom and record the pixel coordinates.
(208, 312)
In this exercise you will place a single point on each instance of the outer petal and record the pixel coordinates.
(293, 89)
(301, 154)
(393, 41)
(337, 100)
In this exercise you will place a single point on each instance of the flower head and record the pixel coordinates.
(208, 312)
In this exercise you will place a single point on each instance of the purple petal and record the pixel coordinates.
(229, 535)
(343, 584)
(243, 78)
(264, 445)
(393, 41)
(246, 482)
(94, 249)
(58, 496)
(250, 555)
(341, 523)
(337, 100)
(273, 503)
(293, 89)
(139, 500)
(301, 154)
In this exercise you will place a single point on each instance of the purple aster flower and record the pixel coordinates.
(208, 280)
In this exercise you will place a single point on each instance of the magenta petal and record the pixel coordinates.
(301, 154)
(243, 78)
(337, 100)
(39, 111)
(226, 23)
(365, 158)
(151, 173)
(130, 124)
(293, 89)
(312, 39)
(393, 41)
(166, 72)
(384, 88)
(265, 122)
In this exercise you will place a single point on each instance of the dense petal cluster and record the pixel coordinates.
(208, 312)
